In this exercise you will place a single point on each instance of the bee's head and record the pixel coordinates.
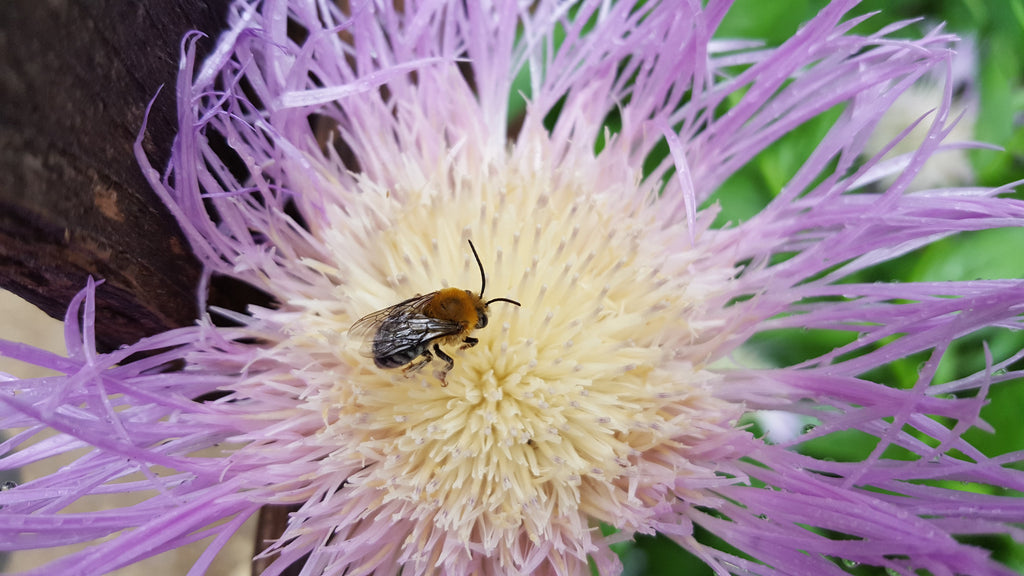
(481, 310)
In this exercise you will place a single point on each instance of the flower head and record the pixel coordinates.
(340, 159)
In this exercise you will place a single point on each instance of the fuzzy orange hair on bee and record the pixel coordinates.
(404, 334)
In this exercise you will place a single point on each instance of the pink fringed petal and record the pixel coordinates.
(321, 108)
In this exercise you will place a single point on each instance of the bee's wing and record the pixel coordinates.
(401, 333)
(367, 326)
(399, 327)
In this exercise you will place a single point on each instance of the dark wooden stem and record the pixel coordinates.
(75, 79)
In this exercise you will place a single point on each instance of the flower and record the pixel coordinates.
(340, 160)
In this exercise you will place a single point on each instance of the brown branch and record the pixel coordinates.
(75, 78)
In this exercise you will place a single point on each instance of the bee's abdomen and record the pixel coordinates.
(397, 359)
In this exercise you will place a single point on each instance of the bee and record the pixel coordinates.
(404, 334)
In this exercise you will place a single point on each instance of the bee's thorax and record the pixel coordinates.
(456, 305)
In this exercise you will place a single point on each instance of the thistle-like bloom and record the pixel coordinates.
(340, 159)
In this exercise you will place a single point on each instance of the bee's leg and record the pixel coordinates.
(469, 342)
(448, 364)
(411, 369)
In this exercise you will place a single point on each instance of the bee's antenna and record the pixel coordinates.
(509, 300)
(483, 279)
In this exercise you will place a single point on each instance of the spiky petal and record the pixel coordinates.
(358, 151)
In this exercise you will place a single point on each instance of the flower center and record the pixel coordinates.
(564, 404)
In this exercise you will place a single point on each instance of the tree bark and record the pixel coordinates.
(75, 79)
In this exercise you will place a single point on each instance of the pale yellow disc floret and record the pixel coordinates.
(564, 410)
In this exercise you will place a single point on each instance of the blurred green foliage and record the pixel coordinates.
(997, 29)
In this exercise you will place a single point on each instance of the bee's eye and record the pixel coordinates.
(481, 321)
